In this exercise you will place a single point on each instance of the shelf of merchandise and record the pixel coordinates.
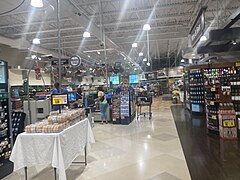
(196, 90)
(186, 92)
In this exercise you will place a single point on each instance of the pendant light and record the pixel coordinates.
(36, 3)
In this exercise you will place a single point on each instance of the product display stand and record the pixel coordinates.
(57, 149)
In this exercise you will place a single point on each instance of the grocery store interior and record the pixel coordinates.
(119, 89)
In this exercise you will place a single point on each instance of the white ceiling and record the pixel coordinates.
(123, 20)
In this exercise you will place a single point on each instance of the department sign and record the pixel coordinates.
(75, 61)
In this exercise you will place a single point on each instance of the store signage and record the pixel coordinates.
(237, 64)
(63, 62)
(75, 61)
(59, 99)
(198, 27)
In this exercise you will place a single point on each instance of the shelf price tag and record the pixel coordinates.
(212, 103)
(214, 117)
(213, 89)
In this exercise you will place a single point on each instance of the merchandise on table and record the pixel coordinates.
(57, 122)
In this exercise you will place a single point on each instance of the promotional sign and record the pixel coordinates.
(59, 99)
(75, 61)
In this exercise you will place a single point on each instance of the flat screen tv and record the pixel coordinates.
(72, 96)
(133, 79)
(114, 80)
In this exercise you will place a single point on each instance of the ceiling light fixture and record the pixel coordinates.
(89, 56)
(134, 45)
(234, 42)
(182, 60)
(148, 64)
(90, 69)
(33, 56)
(145, 59)
(140, 54)
(146, 27)
(203, 38)
(190, 61)
(36, 41)
(98, 52)
(36, 3)
(86, 34)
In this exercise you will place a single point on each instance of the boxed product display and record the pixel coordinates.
(56, 122)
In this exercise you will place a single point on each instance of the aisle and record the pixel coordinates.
(142, 150)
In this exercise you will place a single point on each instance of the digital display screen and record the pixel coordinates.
(133, 79)
(59, 99)
(72, 97)
(114, 80)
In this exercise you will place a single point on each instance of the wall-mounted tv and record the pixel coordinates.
(133, 79)
(114, 80)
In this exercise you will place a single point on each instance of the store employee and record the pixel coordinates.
(57, 91)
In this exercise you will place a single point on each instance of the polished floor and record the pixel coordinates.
(208, 157)
(144, 150)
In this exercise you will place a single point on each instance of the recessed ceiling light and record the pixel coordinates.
(98, 52)
(148, 64)
(182, 60)
(89, 56)
(36, 3)
(145, 59)
(140, 54)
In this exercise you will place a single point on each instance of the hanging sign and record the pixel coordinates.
(198, 27)
(63, 62)
(75, 61)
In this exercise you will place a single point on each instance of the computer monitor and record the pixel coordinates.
(114, 80)
(133, 79)
(72, 96)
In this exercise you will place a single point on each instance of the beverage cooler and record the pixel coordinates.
(6, 142)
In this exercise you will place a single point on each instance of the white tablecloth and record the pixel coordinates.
(57, 149)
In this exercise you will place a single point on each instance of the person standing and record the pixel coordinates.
(103, 109)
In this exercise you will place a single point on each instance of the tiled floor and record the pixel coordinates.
(145, 149)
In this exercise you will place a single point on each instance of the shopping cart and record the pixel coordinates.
(144, 100)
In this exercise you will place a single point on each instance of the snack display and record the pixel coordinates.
(56, 122)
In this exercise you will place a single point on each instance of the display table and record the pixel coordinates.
(55, 149)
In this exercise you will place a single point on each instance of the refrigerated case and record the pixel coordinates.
(6, 167)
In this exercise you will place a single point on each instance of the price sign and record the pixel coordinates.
(213, 89)
(237, 64)
(229, 123)
(214, 117)
(212, 103)
(60, 99)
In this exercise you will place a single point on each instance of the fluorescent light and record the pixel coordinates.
(98, 52)
(140, 54)
(193, 54)
(36, 41)
(203, 38)
(146, 27)
(145, 59)
(190, 61)
(234, 42)
(36, 3)
(134, 45)
(89, 56)
(148, 64)
(182, 60)
(86, 34)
